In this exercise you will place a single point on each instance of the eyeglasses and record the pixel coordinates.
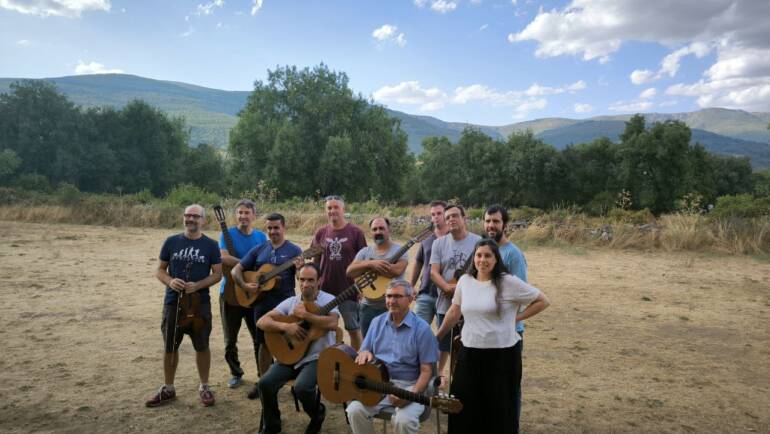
(394, 296)
(192, 216)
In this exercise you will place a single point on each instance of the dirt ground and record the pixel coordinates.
(633, 341)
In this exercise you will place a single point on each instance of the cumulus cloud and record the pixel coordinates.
(94, 68)
(738, 31)
(208, 8)
(631, 106)
(62, 8)
(522, 101)
(583, 108)
(256, 5)
(443, 6)
(23, 43)
(648, 93)
(389, 34)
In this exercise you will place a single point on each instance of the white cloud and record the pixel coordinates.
(641, 76)
(513, 2)
(208, 8)
(420, 3)
(483, 27)
(411, 93)
(389, 33)
(94, 68)
(537, 90)
(668, 103)
(522, 110)
(23, 43)
(583, 108)
(62, 8)
(670, 64)
(256, 5)
(443, 6)
(648, 93)
(630, 106)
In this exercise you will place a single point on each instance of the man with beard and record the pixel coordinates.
(275, 252)
(425, 302)
(341, 241)
(189, 262)
(376, 259)
(244, 239)
(303, 371)
(495, 221)
(450, 253)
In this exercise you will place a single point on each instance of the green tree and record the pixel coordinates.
(9, 162)
(203, 166)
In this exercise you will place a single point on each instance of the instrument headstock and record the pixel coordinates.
(446, 403)
(366, 279)
(313, 251)
(219, 212)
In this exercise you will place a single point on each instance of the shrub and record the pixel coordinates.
(741, 205)
(67, 194)
(186, 194)
(33, 182)
(640, 217)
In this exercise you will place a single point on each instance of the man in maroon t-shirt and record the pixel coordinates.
(341, 241)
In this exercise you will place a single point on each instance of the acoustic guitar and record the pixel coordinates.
(229, 292)
(341, 380)
(377, 289)
(289, 350)
(267, 277)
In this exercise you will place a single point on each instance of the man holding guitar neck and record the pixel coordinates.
(449, 253)
(375, 258)
(244, 238)
(341, 241)
(406, 345)
(189, 263)
(276, 252)
(304, 371)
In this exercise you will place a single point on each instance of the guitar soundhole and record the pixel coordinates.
(360, 381)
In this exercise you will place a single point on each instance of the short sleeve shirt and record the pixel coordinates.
(483, 327)
(242, 244)
(340, 247)
(404, 348)
(370, 252)
(327, 340)
(267, 254)
(517, 265)
(178, 251)
(423, 256)
(451, 255)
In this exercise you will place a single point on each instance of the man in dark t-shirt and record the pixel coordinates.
(341, 241)
(427, 294)
(189, 263)
(275, 252)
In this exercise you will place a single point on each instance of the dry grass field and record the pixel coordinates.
(634, 341)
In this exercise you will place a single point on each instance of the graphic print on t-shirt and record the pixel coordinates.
(335, 247)
(189, 254)
(457, 260)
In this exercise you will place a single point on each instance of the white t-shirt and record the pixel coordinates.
(483, 328)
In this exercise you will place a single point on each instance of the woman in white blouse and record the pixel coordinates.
(488, 371)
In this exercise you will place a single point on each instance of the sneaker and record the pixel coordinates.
(163, 396)
(234, 382)
(314, 427)
(254, 392)
(207, 397)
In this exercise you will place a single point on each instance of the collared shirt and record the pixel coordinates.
(404, 348)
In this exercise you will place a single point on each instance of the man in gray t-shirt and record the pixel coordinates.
(376, 258)
(449, 254)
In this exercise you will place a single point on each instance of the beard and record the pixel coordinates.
(379, 239)
(497, 236)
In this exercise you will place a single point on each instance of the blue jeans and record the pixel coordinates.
(445, 344)
(425, 307)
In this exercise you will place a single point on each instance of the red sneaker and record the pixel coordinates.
(163, 396)
(207, 397)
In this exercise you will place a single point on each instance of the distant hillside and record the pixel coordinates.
(211, 113)
(587, 131)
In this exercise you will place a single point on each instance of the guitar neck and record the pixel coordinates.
(349, 291)
(228, 239)
(396, 256)
(396, 391)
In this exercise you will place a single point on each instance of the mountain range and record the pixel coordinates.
(211, 113)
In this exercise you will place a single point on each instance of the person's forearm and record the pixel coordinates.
(237, 275)
(230, 261)
(163, 276)
(533, 309)
(212, 278)
(326, 322)
(268, 324)
(426, 372)
(356, 268)
(436, 278)
(451, 318)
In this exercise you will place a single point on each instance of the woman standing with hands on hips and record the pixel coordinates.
(488, 370)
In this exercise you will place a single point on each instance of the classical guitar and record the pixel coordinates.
(377, 289)
(289, 350)
(226, 269)
(267, 277)
(341, 380)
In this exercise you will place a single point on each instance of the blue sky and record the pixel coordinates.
(482, 61)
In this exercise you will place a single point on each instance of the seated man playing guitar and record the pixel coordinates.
(303, 371)
(405, 344)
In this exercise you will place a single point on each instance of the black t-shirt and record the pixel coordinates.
(179, 250)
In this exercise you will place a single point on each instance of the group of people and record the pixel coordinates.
(463, 277)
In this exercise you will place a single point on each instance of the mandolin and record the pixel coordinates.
(226, 269)
(267, 277)
(289, 350)
(341, 380)
(377, 289)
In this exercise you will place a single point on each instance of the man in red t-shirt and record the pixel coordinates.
(341, 241)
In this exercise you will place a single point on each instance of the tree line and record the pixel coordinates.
(304, 133)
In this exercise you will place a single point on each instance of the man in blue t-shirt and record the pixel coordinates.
(495, 222)
(244, 238)
(190, 262)
(275, 252)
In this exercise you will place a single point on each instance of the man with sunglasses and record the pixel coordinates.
(341, 241)
(189, 262)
